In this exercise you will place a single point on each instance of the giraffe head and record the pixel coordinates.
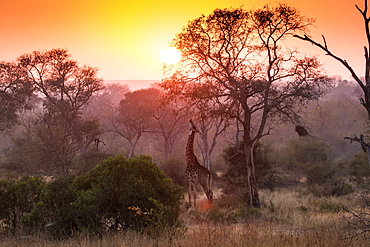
(192, 128)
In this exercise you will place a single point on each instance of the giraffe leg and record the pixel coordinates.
(194, 194)
(188, 186)
(207, 190)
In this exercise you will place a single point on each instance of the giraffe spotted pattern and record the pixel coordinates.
(195, 173)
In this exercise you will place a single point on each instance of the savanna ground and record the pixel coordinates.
(286, 218)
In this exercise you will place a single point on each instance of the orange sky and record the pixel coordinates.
(124, 38)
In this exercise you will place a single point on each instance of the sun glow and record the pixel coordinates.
(170, 56)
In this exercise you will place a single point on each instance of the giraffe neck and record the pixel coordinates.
(190, 156)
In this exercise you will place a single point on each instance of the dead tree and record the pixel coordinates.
(364, 145)
(365, 86)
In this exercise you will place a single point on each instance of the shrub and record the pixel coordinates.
(230, 216)
(359, 166)
(56, 212)
(171, 168)
(119, 183)
(330, 208)
(305, 150)
(89, 160)
(102, 199)
(309, 158)
(318, 172)
(18, 197)
(235, 180)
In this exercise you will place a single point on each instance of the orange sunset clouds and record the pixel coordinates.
(125, 38)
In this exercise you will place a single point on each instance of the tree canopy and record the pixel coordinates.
(15, 90)
(237, 59)
(56, 129)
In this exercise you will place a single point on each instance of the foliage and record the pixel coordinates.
(359, 166)
(15, 90)
(51, 150)
(88, 160)
(304, 150)
(232, 215)
(103, 199)
(25, 156)
(55, 129)
(171, 168)
(56, 210)
(18, 198)
(235, 180)
(134, 116)
(309, 158)
(236, 59)
(123, 183)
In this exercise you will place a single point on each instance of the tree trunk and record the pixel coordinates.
(205, 149)
(368, 154)
(253, 196)
(133, 145)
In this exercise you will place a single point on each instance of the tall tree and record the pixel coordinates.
(235, 58)
(65, 88)
(170, 122)
(134, 116)
(212, 122)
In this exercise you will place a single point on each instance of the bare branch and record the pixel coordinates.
(358, 223)
(360, 140)
(323, 37)
(329, 53)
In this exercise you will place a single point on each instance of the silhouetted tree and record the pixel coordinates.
(234, 57)
(57, 127)
(365, 86)
(15, 90)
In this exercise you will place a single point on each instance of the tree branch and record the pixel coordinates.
(364, 145)
(329, 53)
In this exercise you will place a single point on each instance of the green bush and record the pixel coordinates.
(221, 215)
(305, 150)
(171, 168)
(309, 158)
(103, 199)
(56, 212)
(340, 188)
(318, 172)
(89, 160)
(234, 181)
(119, 183)
(18, 197)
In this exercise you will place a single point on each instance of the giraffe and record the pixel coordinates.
(195, 173)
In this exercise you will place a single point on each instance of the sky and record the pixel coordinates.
(124, 38)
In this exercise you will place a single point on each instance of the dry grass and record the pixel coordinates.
(286, 218)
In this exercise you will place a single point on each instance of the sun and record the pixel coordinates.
(170, 55)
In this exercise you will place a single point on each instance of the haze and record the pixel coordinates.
(124, 39)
